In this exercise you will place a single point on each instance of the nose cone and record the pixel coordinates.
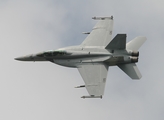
(25, 58)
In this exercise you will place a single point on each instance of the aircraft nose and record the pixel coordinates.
(25, 58)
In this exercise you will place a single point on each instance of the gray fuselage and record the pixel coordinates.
(75, 56)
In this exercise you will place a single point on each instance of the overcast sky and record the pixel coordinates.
(45, 91)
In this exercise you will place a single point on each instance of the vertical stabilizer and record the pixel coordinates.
(136, 43)
(118, 42)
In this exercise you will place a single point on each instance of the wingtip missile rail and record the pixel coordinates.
(92, 96)
(80, 86)
(102, 18)
(86, 32)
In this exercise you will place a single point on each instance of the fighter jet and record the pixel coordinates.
(95, 54)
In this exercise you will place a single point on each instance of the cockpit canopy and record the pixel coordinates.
(51, 53)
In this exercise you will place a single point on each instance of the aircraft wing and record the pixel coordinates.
(101, 33)
(94, 76)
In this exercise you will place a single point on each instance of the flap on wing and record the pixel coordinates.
(101, 34)
(118, 42)
(131, 70)
(94, 76)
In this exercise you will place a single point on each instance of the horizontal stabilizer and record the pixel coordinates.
(131, 70)
(136, 43)
(118, 42)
